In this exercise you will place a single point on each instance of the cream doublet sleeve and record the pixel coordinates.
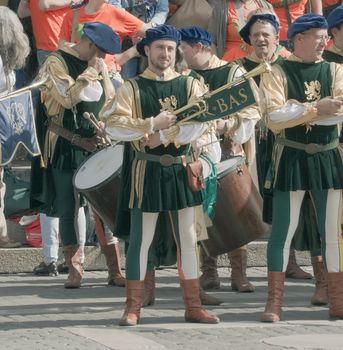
(122, 124)
(61, 90)
(280, 113)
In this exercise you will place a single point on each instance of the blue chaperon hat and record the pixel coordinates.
(335, 17)
(306, 22)
(195, 34)
(103, 37)
(245, 31)
(162, 32)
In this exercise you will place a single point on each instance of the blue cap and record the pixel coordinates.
(195, 34)
(306, 22)
(162, 32)
(103, 37)
(245, 31)
(335, 17)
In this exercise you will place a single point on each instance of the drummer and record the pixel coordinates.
(157, 180)
(73, 87)
(238, 128)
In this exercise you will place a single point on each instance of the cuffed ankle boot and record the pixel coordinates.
(273, 309)
(209, 278)
(293, 270)
(320, 295)
(149, 289)
(335, 283)
(194, 312)
(239, 281)
(207, 299)
(72, 258)
(112, 255)
(134, 296)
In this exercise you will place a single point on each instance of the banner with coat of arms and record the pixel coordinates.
(17, 126)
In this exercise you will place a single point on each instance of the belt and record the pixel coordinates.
(310, 148)
(88, 144)
(164, 160)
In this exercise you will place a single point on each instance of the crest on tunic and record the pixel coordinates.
(168, 103)
(312, 90)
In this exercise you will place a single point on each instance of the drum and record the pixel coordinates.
(238, 209)
(98, 179)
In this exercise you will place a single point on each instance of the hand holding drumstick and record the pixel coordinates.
(99, 127)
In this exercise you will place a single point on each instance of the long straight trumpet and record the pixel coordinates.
(26, 88)
(200, 103)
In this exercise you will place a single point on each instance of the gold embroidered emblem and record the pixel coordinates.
(16, 116)
(312, 91)
(168, 104)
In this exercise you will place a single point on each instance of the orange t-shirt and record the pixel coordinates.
(46, 25)
(296, 9)
(121, 21)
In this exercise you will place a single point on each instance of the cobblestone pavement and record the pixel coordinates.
(37, 313)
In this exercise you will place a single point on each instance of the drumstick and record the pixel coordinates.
(92, 116)
(88, 116)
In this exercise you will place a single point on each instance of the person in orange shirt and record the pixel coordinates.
(121, 21)
(47, 18)
(288, 11)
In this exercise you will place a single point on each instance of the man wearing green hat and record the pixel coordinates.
(73, 87)
(156, 180)
(302, 98)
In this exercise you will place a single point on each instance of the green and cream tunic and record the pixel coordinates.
(289, 95)
(151, 186)
(72, 89)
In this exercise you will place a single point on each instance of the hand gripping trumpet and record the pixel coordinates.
(200, 105)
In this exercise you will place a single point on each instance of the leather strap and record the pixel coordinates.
(88, 144)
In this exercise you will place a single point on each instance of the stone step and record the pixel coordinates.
(24, 259)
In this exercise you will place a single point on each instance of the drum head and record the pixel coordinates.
(99, 167)
(226, 166)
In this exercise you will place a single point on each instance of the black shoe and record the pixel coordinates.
(46, 270)
(63, 268)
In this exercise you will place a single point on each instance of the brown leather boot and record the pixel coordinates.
(293, 270)
(335, 283)
(134, 296)
(207, 299)
(72, 258)
(239, 281)
(194, 312)
(149, 289)
(112, 255)
(320, 295)
(208, 266)
(273, 309)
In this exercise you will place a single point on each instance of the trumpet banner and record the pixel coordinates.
(17, 126)
(223, 103)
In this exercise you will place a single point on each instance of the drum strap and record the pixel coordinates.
(89, 144)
